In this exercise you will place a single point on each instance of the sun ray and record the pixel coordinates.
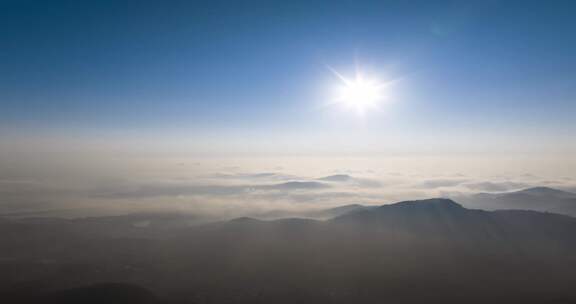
(340, 76)
(360, 93)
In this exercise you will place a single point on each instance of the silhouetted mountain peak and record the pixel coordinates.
(337, 178)
(543, 199)
(435, 203)
(297, 185)
(346, 208)
(546, 191)
(432, 210)
(244, 219)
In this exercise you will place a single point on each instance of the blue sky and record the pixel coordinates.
(501, 72)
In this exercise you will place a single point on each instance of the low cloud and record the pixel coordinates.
(439, 183)
(261, 176)
(351, 180)
(295, 185)
(234, 192)
(496, 186)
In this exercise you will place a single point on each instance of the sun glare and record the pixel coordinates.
(360, 94)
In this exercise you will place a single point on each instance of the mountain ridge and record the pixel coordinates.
(544, 199)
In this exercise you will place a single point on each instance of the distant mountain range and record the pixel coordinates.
(542, 199)
(345, 178)
(319, 214)
(337, 178)
(411, 252)
(436, 221)
(296, 185)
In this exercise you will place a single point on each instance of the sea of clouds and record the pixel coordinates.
(229, 188)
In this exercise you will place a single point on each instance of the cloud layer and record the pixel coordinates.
(228, 188)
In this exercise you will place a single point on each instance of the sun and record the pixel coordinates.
(360, 94)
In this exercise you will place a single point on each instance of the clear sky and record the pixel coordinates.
(253, 76)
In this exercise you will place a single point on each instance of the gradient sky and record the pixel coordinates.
(252, 76)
